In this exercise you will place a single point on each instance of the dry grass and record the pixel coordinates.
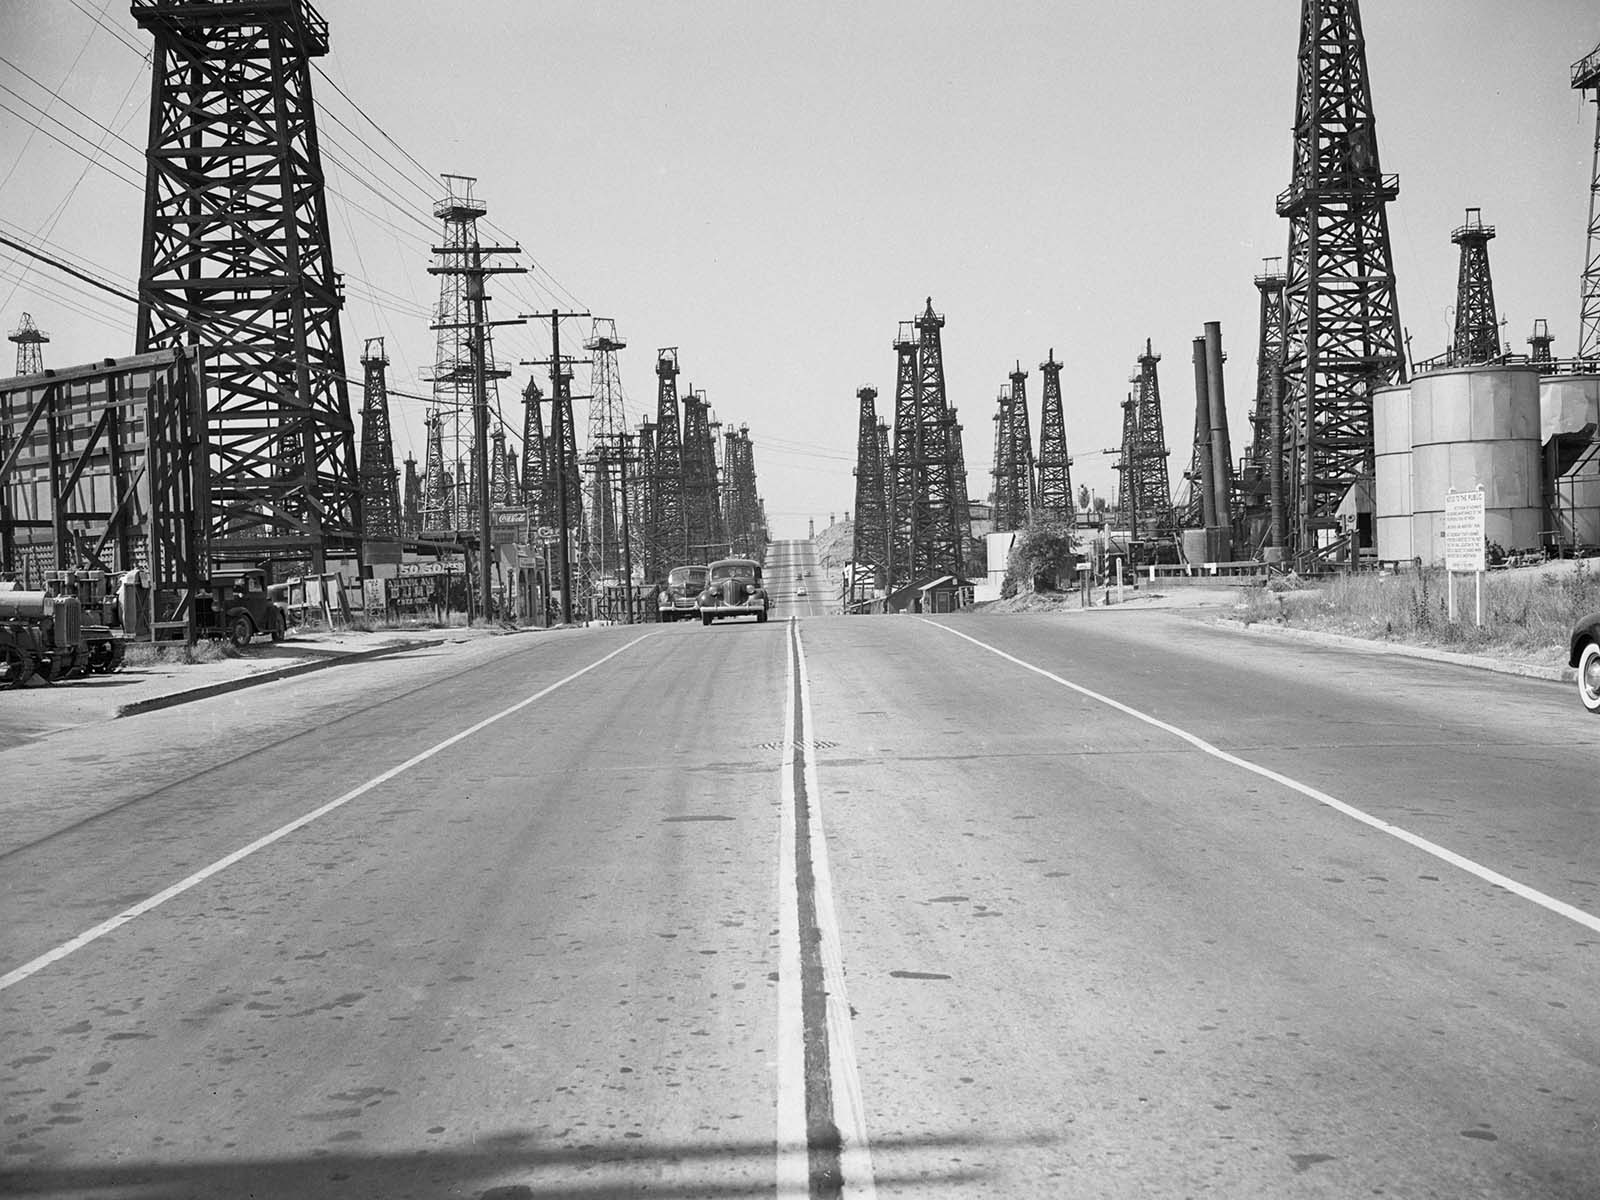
(147, 654)
(1528, 613)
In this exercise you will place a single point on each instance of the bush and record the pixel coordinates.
(1038, 557)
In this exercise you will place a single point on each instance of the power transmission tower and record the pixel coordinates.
(380, 496)
(1344, 336)
(29, 339)
(1477, 333)
(1146, 493)
(236, 258)
(869, 551)
(1056, 503)
(1586, 78)
(667, 508)
(940, 520)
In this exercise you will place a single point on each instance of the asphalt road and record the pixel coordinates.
(1144, 909)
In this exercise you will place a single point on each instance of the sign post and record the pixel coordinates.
(1463, 546)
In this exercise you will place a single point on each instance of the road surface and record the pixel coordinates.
(1103, 904)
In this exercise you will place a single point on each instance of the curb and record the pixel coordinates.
(173, 699)
(1482, 663)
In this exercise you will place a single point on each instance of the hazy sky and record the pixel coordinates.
(772, 188)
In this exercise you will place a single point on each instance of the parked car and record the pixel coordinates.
(733, 589)
(239, 605)
(676, 599)
(1586, 657)
(800, 592)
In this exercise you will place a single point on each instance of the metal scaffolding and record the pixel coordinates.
(1344, 336)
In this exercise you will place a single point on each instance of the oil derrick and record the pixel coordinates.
(728, 495)
(699, 481)
(498, 479)
(565, 483)
(436, 489)
(29, 339)
(535, 474)
(1540, 340)
(461, 270)
(939, 518)
(511, 488)
(607, 423)
(1254, 477)
(749, 535)
(1477, 333)
(1343, 324)
(1145, 494)
(380, 496)
(904, 477)
(869, 550)
(1586, 78)
(647, 535)
(1014, 484)
(236, 258)
(667, 509)
(411, 514)
(1055, 505)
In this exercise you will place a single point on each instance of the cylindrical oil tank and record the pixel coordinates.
(1569, 409)
(1391, 435)
(1477, 427)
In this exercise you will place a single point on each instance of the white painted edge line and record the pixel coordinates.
(849, 1112)
(793, 1158)
(183, 885)
(1559, 907)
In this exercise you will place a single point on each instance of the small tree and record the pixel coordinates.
(1038, 557)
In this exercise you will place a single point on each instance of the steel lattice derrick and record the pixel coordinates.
(29, 340)
(411, 514)
(752, 512)
(1343, 325)
(380, 494)
(1146, 492)
(939, 504)
(535, 469)
(728, 493)
(607, 422)
(869, 549)
(497, 467)
(1013, 471)
(905, 480)
(436, 514)
(1540, 340)
(646, 539)
(1477, 332)
(1269, 357)
(699, 481)
(236, 258)
(1586, 78)
(1022, 442)
(1056, 503)
(670, 519)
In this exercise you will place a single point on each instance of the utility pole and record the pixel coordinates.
(473, 269)
(560, 430)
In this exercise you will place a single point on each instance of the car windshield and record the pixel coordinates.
(735, 570)
(686, 576)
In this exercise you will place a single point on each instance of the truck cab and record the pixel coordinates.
(240, 604)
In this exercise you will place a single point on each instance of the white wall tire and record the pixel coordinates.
(1589, 678)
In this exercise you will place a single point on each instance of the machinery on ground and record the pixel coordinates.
(44, 634)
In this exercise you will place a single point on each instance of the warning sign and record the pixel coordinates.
(1463, 531)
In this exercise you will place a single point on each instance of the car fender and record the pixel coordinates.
(1587, 630)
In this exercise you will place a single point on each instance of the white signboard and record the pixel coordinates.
(453, 564)
(1463, 531)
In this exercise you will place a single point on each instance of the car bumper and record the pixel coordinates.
(732, 610)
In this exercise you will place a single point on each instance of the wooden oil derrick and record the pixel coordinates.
(869, 550)
(380, 495)
(1056, 502)
(1477, 331)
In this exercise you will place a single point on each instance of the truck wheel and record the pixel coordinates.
(240, 631)
(761, 617)
(705, 619)
(15, 666)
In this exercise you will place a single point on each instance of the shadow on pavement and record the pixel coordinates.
(510, 1166)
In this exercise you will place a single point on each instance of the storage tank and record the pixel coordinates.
(1391, 436)
(1569, 416)
(1477, 427)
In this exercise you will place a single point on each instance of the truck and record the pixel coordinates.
(239, 604)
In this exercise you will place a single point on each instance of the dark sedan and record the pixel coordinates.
(1586, 657)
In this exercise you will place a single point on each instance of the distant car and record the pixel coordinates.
(733, 589)
(800, 592)
(1586, 657)
(676, 599)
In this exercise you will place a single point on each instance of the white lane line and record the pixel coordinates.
(855, 1155)
(138, 910)
(1559, 907)
(793, 1165)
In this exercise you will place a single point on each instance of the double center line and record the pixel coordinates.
(822, 1137)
